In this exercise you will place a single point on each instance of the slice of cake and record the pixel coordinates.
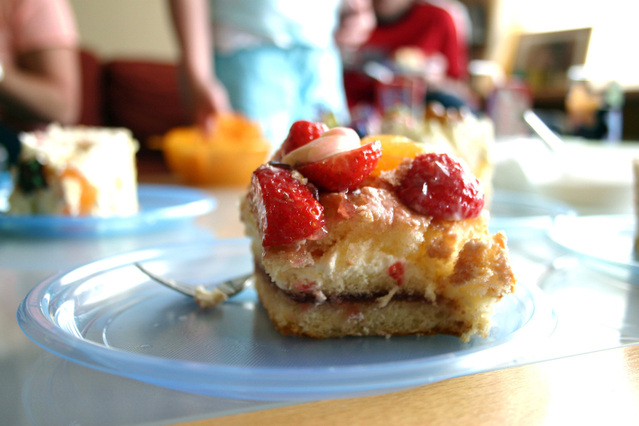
(384, 238)
(76, 171)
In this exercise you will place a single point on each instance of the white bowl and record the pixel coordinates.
(593, 177)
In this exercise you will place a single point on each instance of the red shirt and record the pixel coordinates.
(426, 27)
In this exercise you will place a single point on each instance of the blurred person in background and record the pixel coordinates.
(416, 38)
(274, 61)
(463, 24)
(39, 68)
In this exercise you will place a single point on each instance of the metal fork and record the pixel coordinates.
(204, 297)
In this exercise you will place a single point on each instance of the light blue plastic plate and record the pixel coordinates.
(109, 316)
(161, 206)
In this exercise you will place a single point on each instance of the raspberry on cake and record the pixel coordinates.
(76, 171)
(347, 242)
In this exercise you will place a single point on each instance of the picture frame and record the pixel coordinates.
(543, 59)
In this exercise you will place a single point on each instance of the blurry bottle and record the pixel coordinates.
(5, 180)
(4, 159)
(613, 102)
(506, 106)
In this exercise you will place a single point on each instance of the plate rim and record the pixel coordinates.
(42, 330)
(555, 208)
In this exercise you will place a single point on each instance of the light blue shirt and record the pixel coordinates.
(284, 23)
(279, 61)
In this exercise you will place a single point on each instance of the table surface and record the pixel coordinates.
(588, 368)
(552, 392)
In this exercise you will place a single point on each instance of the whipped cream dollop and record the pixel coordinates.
(333, 141)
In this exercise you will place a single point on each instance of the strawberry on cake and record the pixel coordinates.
(380, 238)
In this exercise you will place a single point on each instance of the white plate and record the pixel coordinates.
(109, 316)
(607, 239)
(160, 206)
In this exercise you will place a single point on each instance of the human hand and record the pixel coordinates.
(209, 100)
(356, 23)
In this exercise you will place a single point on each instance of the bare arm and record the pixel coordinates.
(190, 20)
(43, 86)
(206, 96)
